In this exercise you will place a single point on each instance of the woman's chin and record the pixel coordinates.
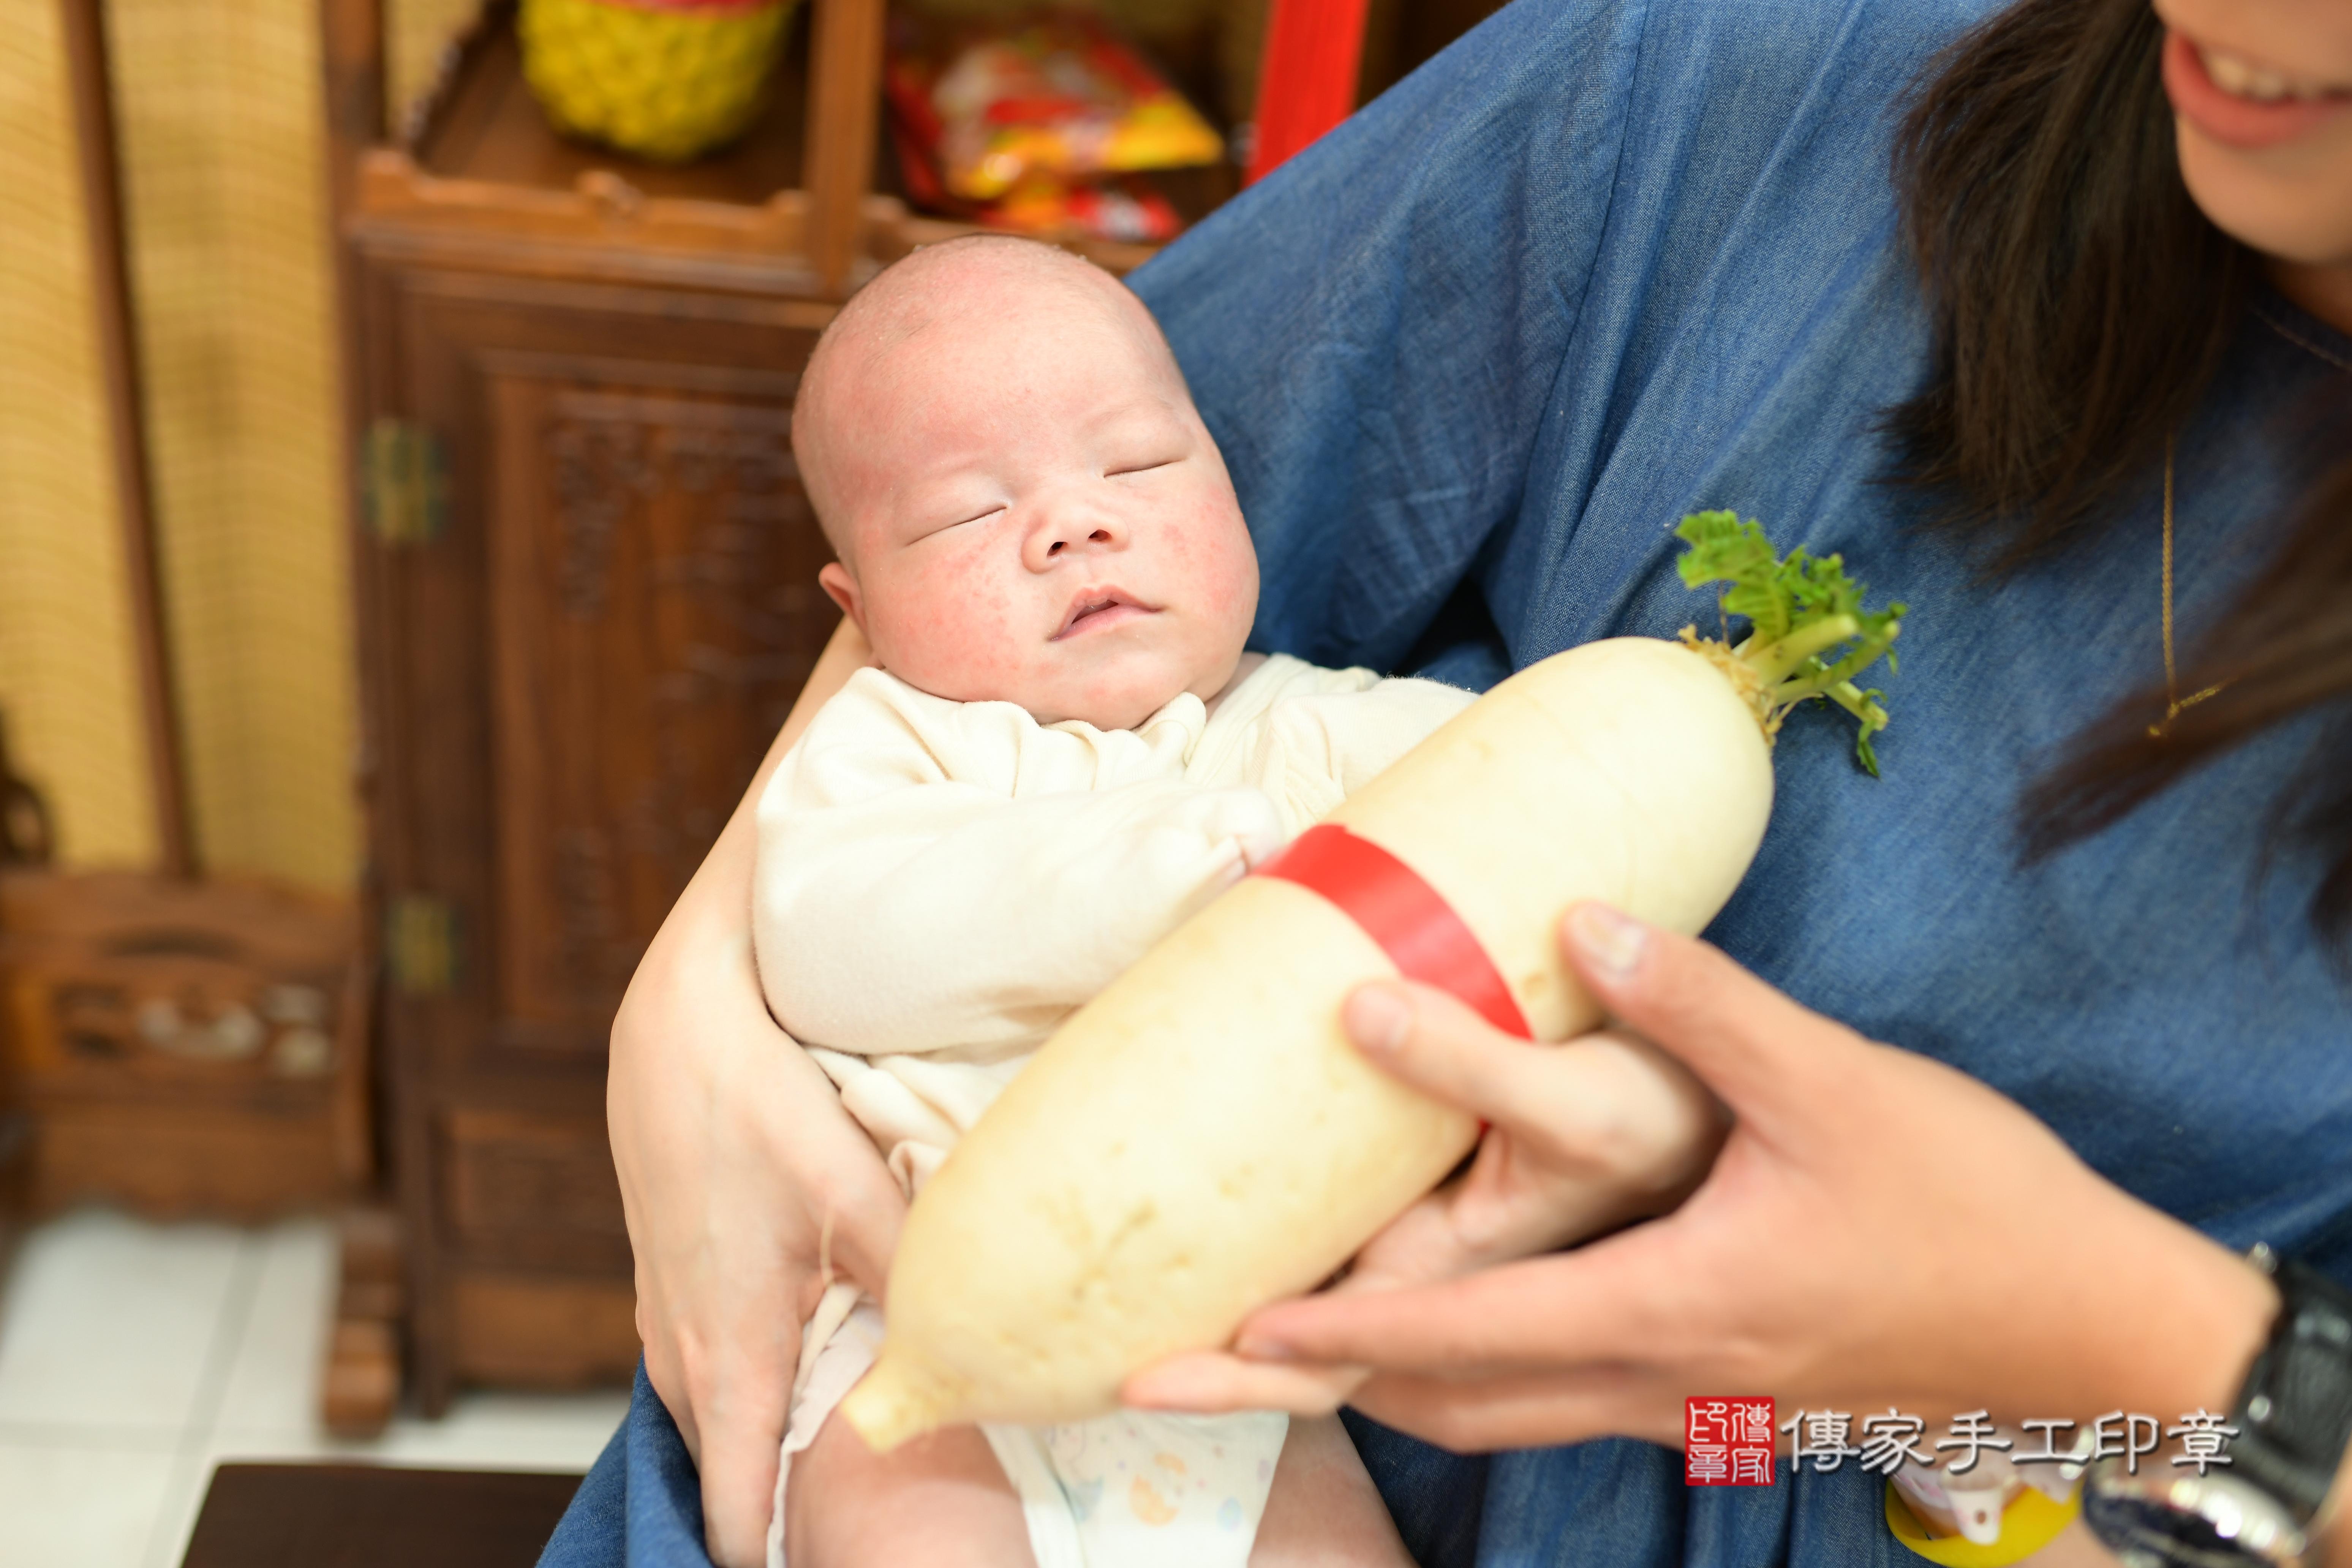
(2296, 210)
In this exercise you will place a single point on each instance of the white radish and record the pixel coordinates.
(1201, 1139)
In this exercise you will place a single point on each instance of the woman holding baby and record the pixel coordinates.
(2077, 383)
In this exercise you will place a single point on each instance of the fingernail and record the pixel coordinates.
(1258, 1348)
(1610, 942)
(1377, 1019)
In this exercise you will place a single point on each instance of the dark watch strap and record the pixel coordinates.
(2294, 1416)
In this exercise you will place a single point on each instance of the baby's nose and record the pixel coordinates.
(1062, 539)
(1072, 530)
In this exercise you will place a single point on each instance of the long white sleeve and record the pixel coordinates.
(1314, 748)
(937, 874)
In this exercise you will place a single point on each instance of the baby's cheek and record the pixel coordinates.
(949, 628)
(1214, 548)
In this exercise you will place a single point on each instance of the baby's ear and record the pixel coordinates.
(841, 588)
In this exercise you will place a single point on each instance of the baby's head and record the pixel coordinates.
(1026, 505)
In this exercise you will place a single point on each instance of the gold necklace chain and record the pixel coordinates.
(2173, 701)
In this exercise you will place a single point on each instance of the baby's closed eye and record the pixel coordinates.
(1129, 469)
(962, 518)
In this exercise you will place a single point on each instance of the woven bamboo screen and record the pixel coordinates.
(417, 34)
(222, 147)
(218, 109)
(66, 675)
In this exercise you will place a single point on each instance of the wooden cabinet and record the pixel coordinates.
(575, 664)
(184, 1047)
(587, 579)
(586, 576)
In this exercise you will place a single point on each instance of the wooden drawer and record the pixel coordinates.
(168, 1161)
(543, 1330)
(529, 1187)
(184, 1047)
(120, 985)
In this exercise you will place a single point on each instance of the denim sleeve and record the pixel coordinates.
(1372, 334)
(641, 1505)
(1554, 279)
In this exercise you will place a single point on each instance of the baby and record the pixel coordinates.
(1062, 753)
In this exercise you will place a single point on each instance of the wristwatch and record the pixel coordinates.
(2293, 1421)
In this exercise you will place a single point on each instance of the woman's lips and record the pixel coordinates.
(1097, 609)
(2232, 119)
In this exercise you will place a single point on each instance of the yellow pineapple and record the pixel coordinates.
(664, 81)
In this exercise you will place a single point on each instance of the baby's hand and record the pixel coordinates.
(1157, 854)
(1193, 847)
(1245, 818)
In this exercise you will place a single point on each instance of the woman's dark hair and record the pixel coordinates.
(2082, 304)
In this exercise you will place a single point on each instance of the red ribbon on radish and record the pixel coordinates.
(1410, 920)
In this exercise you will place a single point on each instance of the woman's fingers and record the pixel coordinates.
(1210, 1382)
(1618, 1302)
(729, 1395)
(859, 1209)
(1837, 1147)
(1586, 1136)
(1745, 1040)
(1435, 1043)
(1634, 1117)
(787, 1193)
(1515, 1410)
(836, 1176)
(1567, 1101)
(1426, 1244)
(1521, 1411)
(741, 1439)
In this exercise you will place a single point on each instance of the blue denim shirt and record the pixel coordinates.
(1605, 263)
(1471, 357)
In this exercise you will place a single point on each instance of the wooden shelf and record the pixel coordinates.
(486, 183)
(489, 184)
(487, 162)
(488, 127)
(1194, 193)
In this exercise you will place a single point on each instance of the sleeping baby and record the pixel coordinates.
(1062, 753)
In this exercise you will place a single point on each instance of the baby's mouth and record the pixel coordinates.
(1096, 607)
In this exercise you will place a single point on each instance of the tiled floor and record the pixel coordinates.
(133, 1357)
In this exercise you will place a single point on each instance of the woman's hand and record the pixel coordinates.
(1603, 1130)
(1877, 1229)
(745, 1184)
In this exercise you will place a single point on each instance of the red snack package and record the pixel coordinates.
(996, 105)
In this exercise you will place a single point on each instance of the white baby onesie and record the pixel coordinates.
(939, 885)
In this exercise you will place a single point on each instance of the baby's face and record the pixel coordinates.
(1030, 510)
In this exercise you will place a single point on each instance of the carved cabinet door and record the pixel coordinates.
(574, 663)
(653, 597)
(603, 640)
